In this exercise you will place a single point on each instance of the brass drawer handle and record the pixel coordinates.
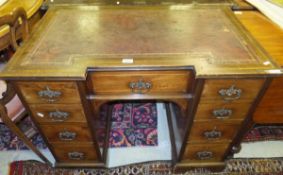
(204, 155)
(140, 87)
(58, 116)
(222, 113)
(213, 134)
(230, 94)
(49, 95)
(76, 155)
(67, 135)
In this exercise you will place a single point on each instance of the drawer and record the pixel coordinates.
(75, 153)
(204, 152)
(221, 111)
(212, 131)
(67, 133)
(231, 89)
(49, 92)
(139, 82)
(58, 113)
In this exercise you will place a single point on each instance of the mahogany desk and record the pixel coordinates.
(198, 60)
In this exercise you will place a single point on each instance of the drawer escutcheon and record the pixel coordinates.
(222, 113)
(59, 116)
(230, 94)
(140, 87)
(67, 135)
(76, 155)
(213, 134)
(49, 95)
(204, 155)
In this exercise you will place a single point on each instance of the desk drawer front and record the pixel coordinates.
(221, 111)
(58, 113)
(212, 131)
(204, 152)
(49, 92)
(139, 82)
(233, 90)
(75, 153)
(67, 133)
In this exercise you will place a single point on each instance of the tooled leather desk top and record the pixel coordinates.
(74, 38)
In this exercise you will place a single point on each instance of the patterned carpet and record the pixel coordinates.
(133, 124)
(233, 167)
(9, 141)
(261, 133)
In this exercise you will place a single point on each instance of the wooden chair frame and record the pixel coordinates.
(13, 20)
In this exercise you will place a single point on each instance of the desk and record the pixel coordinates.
(198, 60)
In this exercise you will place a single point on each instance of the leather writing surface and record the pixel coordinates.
(74, 38)
(139, 32)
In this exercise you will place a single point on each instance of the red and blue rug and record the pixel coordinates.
(9, 141)
(233, 167)
(133, 124)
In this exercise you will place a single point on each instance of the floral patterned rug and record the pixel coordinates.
(233, 167)
(9, 141)
(133, 124)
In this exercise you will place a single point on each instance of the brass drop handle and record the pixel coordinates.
(140, 87)
(213, 134)
(76, 155)
(204, 155)
(222, 113)
(67, 135)
(58, 116)
(230, 94)
(49, 95)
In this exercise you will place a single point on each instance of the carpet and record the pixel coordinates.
(133, 124)
(263, 132)
(9, 141)
(233, 167)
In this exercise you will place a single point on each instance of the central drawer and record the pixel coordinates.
(139, 82)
